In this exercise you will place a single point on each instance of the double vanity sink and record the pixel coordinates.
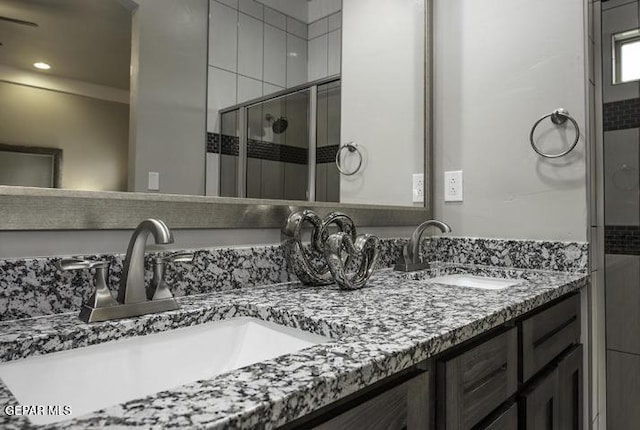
(132, 368)
(248, 357)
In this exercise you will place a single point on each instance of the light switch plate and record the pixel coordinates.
(154, 181)
(453, 186)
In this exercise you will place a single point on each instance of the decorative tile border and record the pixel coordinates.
(622, 239)
(621, 114)
(326, 154)
(229, 145)
(276, 152)
(522, 254)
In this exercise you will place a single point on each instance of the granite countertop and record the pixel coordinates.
(392, 324)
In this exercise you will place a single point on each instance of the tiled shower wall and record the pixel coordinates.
(621, 128)
(255, 50)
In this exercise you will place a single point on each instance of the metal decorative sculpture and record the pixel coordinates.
(334, 253)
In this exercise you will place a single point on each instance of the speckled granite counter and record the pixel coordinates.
(392, 324)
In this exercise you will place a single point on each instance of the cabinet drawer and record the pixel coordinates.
(474, 383)
(405, 406)
(547, 334)
(507, 420)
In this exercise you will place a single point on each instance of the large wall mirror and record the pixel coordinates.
(298, 101)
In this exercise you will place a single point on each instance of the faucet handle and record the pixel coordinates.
(101, 297)
(176, 257)
(159, 289)
(67, 264)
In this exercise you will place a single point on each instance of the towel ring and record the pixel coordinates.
(558, 117)
(352, 147)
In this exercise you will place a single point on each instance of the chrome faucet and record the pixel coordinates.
(134, 298)
(132, 289)
(410, 260)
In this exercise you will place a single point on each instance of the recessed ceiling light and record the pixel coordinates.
(41, 66)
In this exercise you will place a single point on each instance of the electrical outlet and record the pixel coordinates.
(418, 188)
(154, 181)
(453, 186)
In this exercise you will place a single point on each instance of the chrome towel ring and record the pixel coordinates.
(352, 147)
(558, 117)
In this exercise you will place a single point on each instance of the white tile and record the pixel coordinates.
(248, 89)
(223, 37)
(230, 3)
(250, 47)
(272, 179)
(252, 8)
(297, 28)
(275, 18)
(254, 178)
(213, 175)
(334, 56)
(621, 177)
(296, 61)
(333, 114)
(318, 28)
(275, 56)
(295, 181)
(221, 94)
(335, 21)
(268, 88)
(273, 110)
(255, 122)
(318, 57)
(297, 108)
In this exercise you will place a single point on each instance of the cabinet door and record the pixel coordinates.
(404, 407)
(547, 334)
(570, 390)
(474, 383)
(540, 403)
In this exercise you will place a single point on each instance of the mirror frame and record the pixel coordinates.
(25, 208)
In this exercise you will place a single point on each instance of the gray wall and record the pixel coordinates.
(92, 133)
(169, 92)
(499, 66)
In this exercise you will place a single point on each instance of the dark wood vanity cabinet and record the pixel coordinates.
(554, 400)
(400, 402)
(405, 406)
(475, 382)
(527, 376)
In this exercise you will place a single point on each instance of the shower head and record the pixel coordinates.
(280, 125)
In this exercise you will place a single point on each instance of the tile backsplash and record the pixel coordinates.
(31, 287)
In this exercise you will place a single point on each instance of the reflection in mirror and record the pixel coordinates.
(76, 102)
(292, 79)
(313, 61)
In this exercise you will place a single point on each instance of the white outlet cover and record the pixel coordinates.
(453, 186)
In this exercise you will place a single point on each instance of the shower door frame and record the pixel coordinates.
(243, 126)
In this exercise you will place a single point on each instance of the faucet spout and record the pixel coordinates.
(132, 288)
(411, 251)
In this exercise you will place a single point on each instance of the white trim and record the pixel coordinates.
(63, 85)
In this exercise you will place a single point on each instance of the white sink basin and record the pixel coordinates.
(471, 281)
(98, 376)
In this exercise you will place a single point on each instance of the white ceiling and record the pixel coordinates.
(85, 40)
